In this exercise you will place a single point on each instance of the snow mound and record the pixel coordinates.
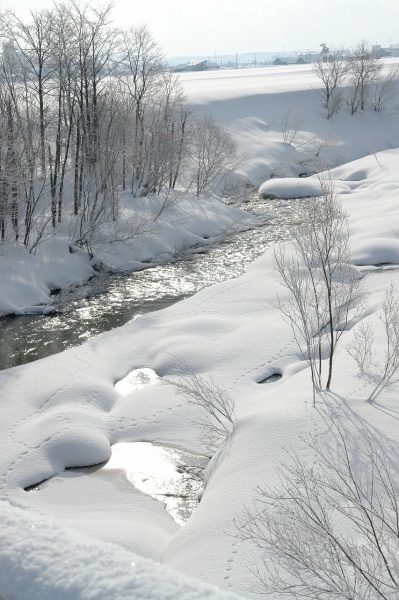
(290, 187)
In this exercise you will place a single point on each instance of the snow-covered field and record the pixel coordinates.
(85, 536)
(253, 102)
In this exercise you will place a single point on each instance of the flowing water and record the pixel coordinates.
(30, 337)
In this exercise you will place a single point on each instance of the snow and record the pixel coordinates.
(77, 535)
(42, 561)
(290, 187)
(252, 102)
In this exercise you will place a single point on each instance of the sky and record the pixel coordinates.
(219, 27)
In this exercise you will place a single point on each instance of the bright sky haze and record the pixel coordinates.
(217, 27)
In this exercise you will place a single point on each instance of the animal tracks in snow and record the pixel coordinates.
(230, 562)
(255, 370)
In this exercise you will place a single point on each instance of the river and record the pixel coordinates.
(30, 337)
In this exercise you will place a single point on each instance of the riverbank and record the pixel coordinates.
(279, 123)
(28, 280)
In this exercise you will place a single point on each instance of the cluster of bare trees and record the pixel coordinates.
(362, 74)
(88, 112)
(330, 528)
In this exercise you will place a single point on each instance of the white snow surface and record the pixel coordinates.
(64, 411)
(290, 187)
(252, 102)
(42, 561)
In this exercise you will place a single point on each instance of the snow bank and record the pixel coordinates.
(290, 187)
(42, 561)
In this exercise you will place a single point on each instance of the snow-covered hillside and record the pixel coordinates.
(253, 102)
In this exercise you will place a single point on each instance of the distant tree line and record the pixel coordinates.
(87, 112)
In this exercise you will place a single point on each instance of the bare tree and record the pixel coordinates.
(363, 68)
(332, 73)
(35, 43)
(101, 180)
(385, 89)
(322, 285)
(213, 152)
(142, 68)
(330, 530)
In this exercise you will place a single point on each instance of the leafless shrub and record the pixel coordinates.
(216, 404)
(362, 350)
(291, 124)
(390, 319)
(213, 153)
(324, 142)
(315, 148)
(361, 347)
(237, 190)
(330, 530)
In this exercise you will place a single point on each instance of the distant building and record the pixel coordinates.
(380, 52)
(302, 59)
(199, 65)
(212, 65)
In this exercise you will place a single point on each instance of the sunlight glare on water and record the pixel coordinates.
(167, 474)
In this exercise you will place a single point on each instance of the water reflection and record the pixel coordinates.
(30, 337)
(167, 474)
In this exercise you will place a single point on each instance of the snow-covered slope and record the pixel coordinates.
(42, 561)
(64, 411)
(252, 103)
